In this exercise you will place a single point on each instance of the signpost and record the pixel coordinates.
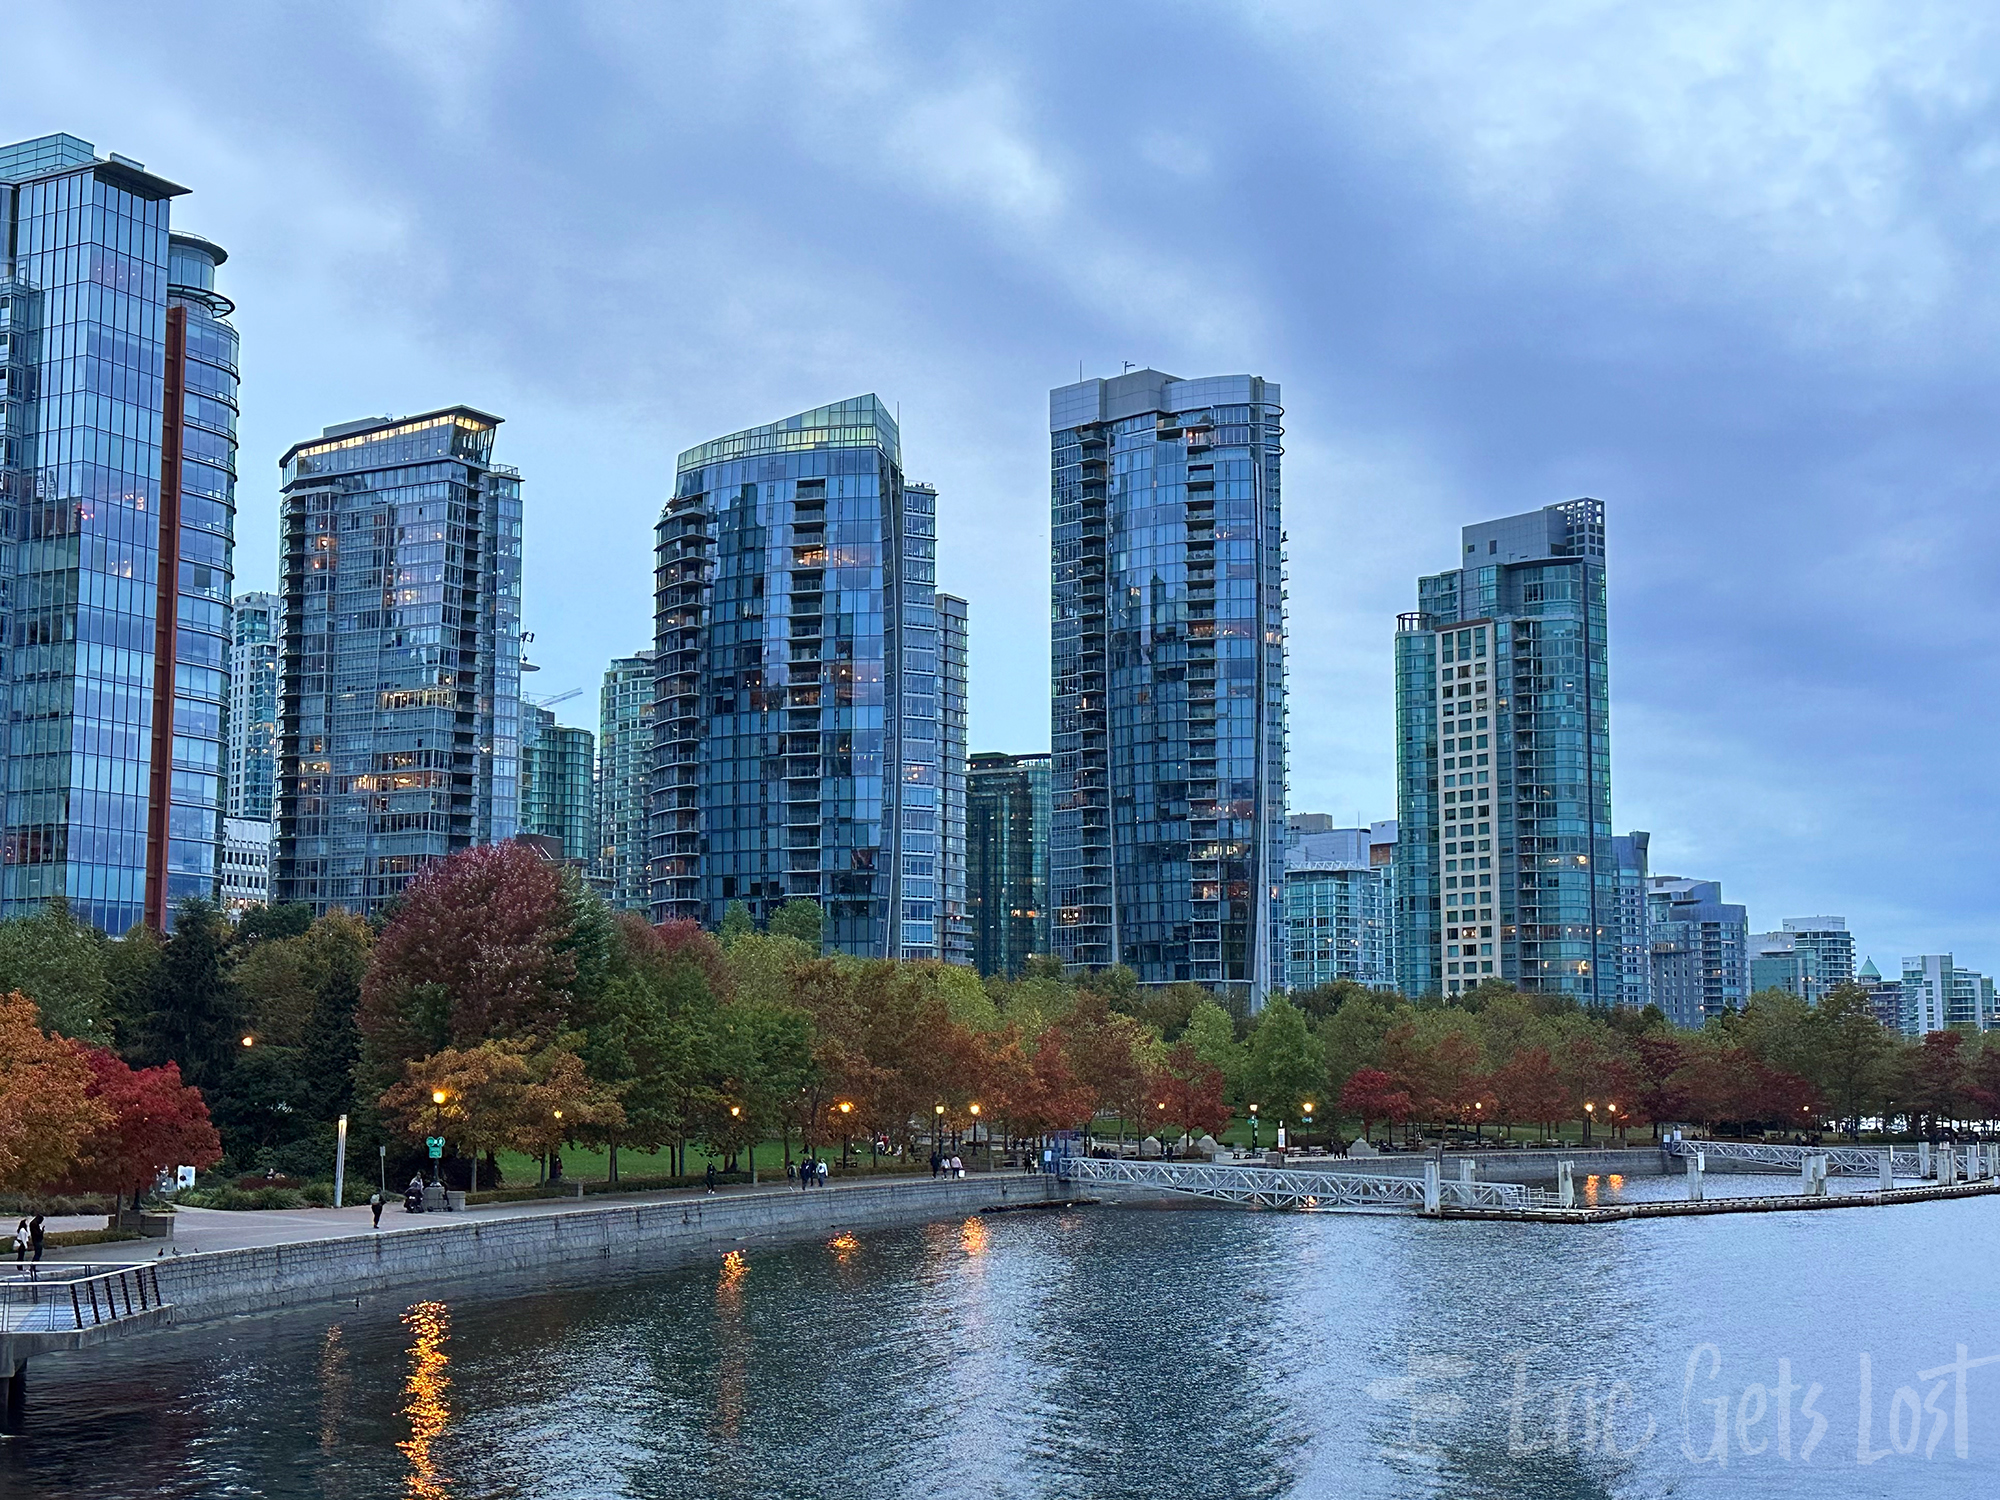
(435, 1145)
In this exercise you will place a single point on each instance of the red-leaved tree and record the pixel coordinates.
(474, 954)
(152, 1122)
(1192, 1091)
(1374, 1095)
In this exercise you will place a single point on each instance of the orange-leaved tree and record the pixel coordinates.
(45, 1104)
(473, 1095)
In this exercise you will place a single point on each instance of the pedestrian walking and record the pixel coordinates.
(791, 1172)
(821, 1174)
(709, 1176)
(37, 1234)
(957, 1166)
(375, 1208)
(20, 1242)
(937, 1163)
(806, 1173)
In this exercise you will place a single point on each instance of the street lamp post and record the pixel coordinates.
(1478, 1119)
(1308, 1125)
(974, 1108)
(553, 1169)
(438, 1096)
(1589, 1113)
(846, 1109)
(1253, 1128)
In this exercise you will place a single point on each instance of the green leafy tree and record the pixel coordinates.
(736, 923)
(192, 1013)
(1849, 1054)
(800, 919)
(289, 919)
(1211, 1037)
(1287, 1066)
(58, 962)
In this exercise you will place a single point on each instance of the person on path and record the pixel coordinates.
(37, 1234)
(957, 1166)
(20, 1242)
(805, 1173)
(791, 1172)
(375, 1208)
(821, 1174)
(937, 1164)
(709, 1177)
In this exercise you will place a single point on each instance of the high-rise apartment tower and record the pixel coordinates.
(117, 482)
(807, 672)
(399, 721)
(1503, 760)
(253, 708)
(624, 767)
(1007, 860)
(1167, 836)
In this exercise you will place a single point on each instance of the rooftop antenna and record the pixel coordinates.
(1128, 364)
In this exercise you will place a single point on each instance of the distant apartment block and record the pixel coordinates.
(624, 767)
(1700, 949)
(1340, 902)
(1940, 996)
(1635, 932)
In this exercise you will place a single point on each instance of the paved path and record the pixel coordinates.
(199, 1229)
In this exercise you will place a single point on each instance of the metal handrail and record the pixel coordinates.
(68, 1303)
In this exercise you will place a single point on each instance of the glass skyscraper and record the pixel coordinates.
(807, 674)
(624, 766)
(558, 783)
(117, 475)
(399, 717)
(1007, 860)
(253, 708)
(1505, 865)
(1167, 836)
(1635, 932)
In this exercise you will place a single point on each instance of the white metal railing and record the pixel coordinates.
(1854, 1161)
(1294, 1187)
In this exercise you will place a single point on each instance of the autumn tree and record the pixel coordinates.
(150, 1123)
(46, 1108)
(484, 1089)
(1528, 1089)
(1192, 1090)
(475, 953)
(1370, 1094)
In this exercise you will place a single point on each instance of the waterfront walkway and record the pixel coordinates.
(204, 1230)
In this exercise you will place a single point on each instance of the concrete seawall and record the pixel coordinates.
(227, 1282)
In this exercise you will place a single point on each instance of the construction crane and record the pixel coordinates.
(552, 699)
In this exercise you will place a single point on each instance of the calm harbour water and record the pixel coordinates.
(1113, 1352)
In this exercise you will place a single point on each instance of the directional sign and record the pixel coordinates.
(436, 1144)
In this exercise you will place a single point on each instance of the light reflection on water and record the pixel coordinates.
(1105, 1352)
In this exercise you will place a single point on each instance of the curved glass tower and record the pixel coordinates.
(809, 716)
(1167, 839)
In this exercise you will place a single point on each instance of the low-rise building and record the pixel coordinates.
(246, 864)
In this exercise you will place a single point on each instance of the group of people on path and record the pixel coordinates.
(810, 1172)
(946, 1166)
(28, 1239)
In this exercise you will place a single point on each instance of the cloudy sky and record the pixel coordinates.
(1728, 268)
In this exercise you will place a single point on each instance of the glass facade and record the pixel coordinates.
(1340, 902)
(400, 684)
(558, 783)
(624, 764)
(806, 673)
(1505, 866)
(1937, 995)
(1007, 860)
(117, 476)
(253, 708)
(1168, 725)
(1635, 933)
(954, 916)
(1701, 948)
